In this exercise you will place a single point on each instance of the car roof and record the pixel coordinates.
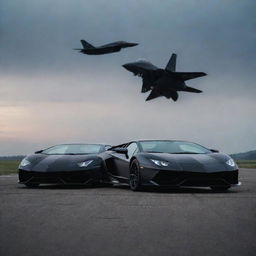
(141, 140)
(157, 140)
(81, 144)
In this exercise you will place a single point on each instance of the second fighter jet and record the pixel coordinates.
(163, 82)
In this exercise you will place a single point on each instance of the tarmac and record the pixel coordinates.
(59, 220)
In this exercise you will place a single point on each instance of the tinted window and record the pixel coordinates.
(173, 147)
(131, 149)
(76, 149)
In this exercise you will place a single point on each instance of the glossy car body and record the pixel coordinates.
(165, 169)
(63, 164)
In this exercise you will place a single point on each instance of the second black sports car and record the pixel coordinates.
(167, 163)
(63, 164)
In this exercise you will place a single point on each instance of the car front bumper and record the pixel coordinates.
(170, 178)
(83, 177)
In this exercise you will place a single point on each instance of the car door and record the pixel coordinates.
(122, 161)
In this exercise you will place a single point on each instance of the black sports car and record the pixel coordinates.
(63, 164)
(170, 163)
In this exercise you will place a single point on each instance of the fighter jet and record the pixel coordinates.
(104, 49)
(162, 82)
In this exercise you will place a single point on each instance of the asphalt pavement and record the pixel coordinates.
(58, 220)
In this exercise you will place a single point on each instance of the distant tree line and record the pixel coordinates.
(250, 155)
(17, 157)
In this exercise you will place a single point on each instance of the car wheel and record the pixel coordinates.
(135, 180)
(32, 185)
(220, 189)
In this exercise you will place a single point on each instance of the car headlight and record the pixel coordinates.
(160, 163)
(231, 162)
(24, 162)
(85, 163)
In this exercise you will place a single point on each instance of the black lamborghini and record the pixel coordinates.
(170, 163)
(63, 164)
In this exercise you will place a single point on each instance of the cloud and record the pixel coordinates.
(221, 123)
(50, 93)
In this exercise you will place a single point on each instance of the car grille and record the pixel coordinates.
(174, 178)
(74, 177)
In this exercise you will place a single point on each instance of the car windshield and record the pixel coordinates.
(73, 149)
(172, 147)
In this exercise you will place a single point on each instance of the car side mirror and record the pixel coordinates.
(214, 150)
(107, 147)
(121, 151)
(39, 151)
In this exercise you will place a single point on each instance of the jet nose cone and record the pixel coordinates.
(130, 44)
(128, 66)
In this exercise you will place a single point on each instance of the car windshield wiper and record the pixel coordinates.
(75, 154)
(153, 152)
(185, 153)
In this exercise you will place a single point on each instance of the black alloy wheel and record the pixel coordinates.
(135, 180)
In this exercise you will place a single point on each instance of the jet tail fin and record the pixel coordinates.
(171, 66)
(86, 45)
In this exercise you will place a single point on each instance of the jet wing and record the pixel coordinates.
(146, 84)
(191, 89)
(154, 94)
(189, 75)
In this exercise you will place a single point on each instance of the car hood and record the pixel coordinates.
(56, 163)
(193, 162)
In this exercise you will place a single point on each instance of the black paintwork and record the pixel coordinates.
(113, 165)
(104, 49)
(162, 82)
(208, 169)
(61, 169)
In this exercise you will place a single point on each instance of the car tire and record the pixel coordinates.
(32, 185)
(135, 177)
(220, 189)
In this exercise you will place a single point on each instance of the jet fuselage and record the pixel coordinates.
(155, 76)
(101, 50)
(169, 81)
(104, 49)
(163, 82)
